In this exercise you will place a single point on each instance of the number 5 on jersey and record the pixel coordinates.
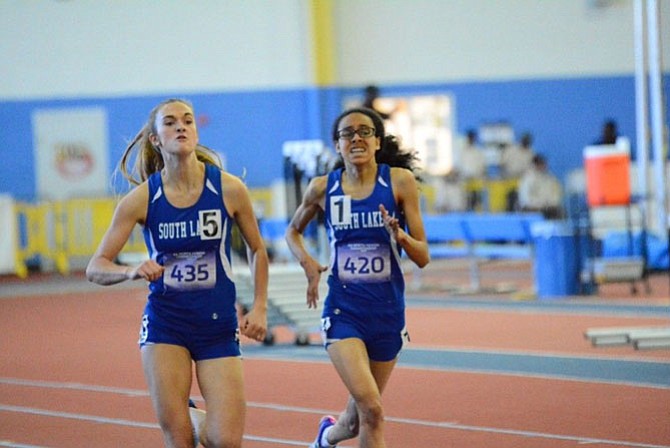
(209, 222)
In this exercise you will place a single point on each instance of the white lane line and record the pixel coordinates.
(119, 422)
(529, 434)
(82, 417)
(10, 444)
(74, 386)
(283, 408)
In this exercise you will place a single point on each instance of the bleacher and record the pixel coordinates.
(287, 300)
(479, 237)
(475, 237)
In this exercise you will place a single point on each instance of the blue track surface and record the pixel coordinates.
(634, 373)
(548, 306)
(577, 368)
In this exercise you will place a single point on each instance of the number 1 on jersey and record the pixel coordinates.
(340, 210)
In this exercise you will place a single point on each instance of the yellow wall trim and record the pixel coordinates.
(323, 41)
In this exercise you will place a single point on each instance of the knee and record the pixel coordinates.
(175, 429)
(371, 413)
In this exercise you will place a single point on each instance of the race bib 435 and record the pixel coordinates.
(190, 270)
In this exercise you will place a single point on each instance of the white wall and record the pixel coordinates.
(115, 47)
(389, 41)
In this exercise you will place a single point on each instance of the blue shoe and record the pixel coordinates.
(191, 404)
(326, 422)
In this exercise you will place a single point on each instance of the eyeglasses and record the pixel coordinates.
(363, 132)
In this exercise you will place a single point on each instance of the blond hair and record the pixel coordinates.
(149, 159)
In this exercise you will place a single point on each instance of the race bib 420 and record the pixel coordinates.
(363, 262)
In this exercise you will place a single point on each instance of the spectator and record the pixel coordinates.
(370, 101)
(540, 191)
(450, 193)
(471, 166)
(516, 159)
(609, 134)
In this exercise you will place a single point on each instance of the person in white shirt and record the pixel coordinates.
(450, 195)
(540, 191)
(471, 167)
(516, 159)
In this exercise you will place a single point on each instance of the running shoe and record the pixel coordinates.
(326, 422)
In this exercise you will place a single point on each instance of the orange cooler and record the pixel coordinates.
(607, 174)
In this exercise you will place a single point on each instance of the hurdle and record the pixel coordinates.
(638, 337)
(650, 338)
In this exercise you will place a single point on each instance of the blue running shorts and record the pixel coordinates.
(383, 340)
(201, 344)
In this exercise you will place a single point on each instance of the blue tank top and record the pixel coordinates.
(365, 262)
(193, 244)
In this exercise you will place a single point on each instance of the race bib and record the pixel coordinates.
(363, 262)
(340, 210)
(210, 224)
(186, 271)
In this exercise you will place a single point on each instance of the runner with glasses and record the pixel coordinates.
(371, 206)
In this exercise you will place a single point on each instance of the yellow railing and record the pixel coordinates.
(59, 231)
(263, 200)
(496, 191)
(62, 230)
(34, 220)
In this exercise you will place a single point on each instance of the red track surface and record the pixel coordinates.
(70, 377)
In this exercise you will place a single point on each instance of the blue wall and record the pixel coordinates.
(250, 127)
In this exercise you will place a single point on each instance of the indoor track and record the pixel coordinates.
(480, 372)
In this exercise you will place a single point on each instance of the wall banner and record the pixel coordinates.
(8, 231)
(71, 156)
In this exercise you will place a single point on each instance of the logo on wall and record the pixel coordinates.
(74, 160)
(71, 152)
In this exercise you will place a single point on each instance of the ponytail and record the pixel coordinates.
(149, 159)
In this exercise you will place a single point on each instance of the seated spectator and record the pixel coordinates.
(450, 193)
(540, 191)
(471, 166)
(516, 159)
